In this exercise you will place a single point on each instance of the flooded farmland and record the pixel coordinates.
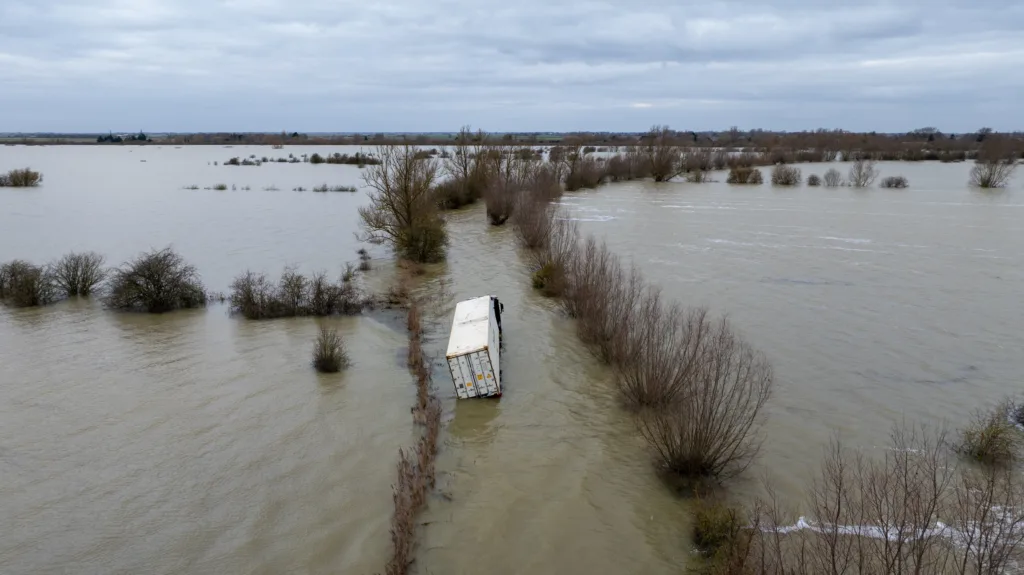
(197, 442)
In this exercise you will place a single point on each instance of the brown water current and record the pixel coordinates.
(197, 442)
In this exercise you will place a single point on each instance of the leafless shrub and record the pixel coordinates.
(898, 182)
(711, 433)
(551, 259)
(833, 179)
(78, 273)
(155, 282)
(607, 304)
(23, 284)
(25, 178)
(744, 175)
(783, 175)
(532, 220)
(329, 355)
(814, 180)
(862, 173)
(403, 212)
(991, 173)
(663, 346)
(254, 296)
(584, 172)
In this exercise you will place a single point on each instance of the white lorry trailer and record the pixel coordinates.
(474, 347)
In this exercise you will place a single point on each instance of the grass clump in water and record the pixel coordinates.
(329, 354)
(155, 282)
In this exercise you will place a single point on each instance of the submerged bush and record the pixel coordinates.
(155, 282)
(814, 180)
(783, 175)
(23, 284)
(255, 297)
(991, 173)
(329, 354)
(991, 438)
(744, 175)
(77, 274)
(833, 179)
(25, 178)
(716, 527)
(894, 182)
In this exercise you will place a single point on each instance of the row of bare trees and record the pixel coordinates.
(697, 387)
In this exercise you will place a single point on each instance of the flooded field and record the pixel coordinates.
(196, 442)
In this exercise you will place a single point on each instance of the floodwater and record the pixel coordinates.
(196, 442)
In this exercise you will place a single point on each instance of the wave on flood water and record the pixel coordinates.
(1004, 523)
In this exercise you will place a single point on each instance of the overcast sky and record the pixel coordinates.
(509, 65)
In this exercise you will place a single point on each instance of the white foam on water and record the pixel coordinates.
(847, 240)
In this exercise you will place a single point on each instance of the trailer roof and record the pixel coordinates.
(470, 326)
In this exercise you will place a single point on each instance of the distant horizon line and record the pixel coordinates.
(452, 132)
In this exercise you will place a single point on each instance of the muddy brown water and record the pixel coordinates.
(196, 442)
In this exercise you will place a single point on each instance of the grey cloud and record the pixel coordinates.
(528, 65)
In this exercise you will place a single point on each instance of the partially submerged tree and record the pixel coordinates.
(992, 173)
(23, 284)
(663, 156)
(403, 212)
(862, 173)
(155, 282)
(79, 273)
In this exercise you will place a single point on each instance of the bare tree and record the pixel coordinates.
(403, 212)
(862, 173)
(664, 157)
(713, 432)
(79, 273)
(992, 173)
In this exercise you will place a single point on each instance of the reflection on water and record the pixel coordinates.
(197, 442)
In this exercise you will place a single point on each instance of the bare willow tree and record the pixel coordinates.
(863, 173)
(712, 432)
(403, 211)
(992, 173)
(663, 156)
